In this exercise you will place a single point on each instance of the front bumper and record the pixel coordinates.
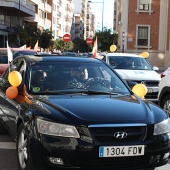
(79, 153)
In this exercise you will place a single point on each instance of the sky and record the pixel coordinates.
(107, 13)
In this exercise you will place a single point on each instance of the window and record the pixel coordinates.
(54, 20)
(54, 7)
(144, 6)
(143, 35)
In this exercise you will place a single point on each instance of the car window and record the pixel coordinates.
(70, 76)
(132, 63)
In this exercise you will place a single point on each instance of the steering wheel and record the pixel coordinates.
(97, 83)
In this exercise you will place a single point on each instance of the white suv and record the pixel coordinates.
(164, 94)
(133, 67)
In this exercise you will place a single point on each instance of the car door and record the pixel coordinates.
(10, 108)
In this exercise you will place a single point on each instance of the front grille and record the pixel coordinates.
(105, 135)
(148, 83)
(153, 95)
(116, 163)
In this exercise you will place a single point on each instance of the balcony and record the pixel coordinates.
(36, 2)
(47, 8)
(26, 8)
(32, 19)
(47, 23)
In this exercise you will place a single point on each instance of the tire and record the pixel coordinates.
(165, 105)
(24, 157)
(3, 130)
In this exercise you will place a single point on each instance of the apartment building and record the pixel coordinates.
(84, 20)
(59, 16)
(143, 25)
(11, 14)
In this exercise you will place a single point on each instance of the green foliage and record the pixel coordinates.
(28, 35)
(45, 38)
(80, 45)
(59, 44)
(105, 39)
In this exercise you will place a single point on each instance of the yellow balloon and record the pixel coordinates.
(140, 90)
(144, 54)
(113, 48)
(15, 78)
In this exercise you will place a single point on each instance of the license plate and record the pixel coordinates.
(150, 90)
(118, 151)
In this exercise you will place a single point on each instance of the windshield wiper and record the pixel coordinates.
(75, 92)
(96, 92)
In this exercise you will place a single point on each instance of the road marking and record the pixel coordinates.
(7, 145)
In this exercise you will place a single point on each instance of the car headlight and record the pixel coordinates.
(162, 127)
(56, 129)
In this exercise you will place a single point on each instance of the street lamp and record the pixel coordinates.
(102, 10)
(123, 41)
(19, 23)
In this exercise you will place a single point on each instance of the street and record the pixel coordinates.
(8, 155)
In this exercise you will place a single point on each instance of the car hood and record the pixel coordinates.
(85, 109)
(138, 74)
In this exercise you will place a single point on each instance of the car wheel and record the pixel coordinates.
(166, 104)
(3, 130)
(24, 158)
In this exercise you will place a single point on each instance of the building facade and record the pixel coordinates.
(143, 25)
(56, 15)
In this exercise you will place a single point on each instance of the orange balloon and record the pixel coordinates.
(15, 78)
(20, 99)
(11, 92)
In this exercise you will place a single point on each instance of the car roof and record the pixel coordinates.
(18, 49)
(47, 58)
(123, 55)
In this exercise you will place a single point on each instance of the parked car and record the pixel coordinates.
(77, 112)
(133, 67)
(16, 52)
(164, 94)
(166, 72)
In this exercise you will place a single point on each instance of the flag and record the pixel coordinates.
(10, 55)
(95, 48)
(23, 47)
(36, 47)
(29, 47)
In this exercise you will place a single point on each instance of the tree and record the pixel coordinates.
(105, 39)
(45, 39)
(29, 34)
(59, 44)
(80, 45)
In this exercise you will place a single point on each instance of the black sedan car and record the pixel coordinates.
(75, 112)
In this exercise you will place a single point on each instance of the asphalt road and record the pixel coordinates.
(8, 159)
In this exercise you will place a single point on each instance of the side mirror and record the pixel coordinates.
(155, 68)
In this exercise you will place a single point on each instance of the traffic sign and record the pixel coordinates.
(88, 41)
(66, 37)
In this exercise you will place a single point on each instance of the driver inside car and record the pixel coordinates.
(79, 78)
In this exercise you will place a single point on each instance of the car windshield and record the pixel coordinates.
(129, 63)
(71, 77)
